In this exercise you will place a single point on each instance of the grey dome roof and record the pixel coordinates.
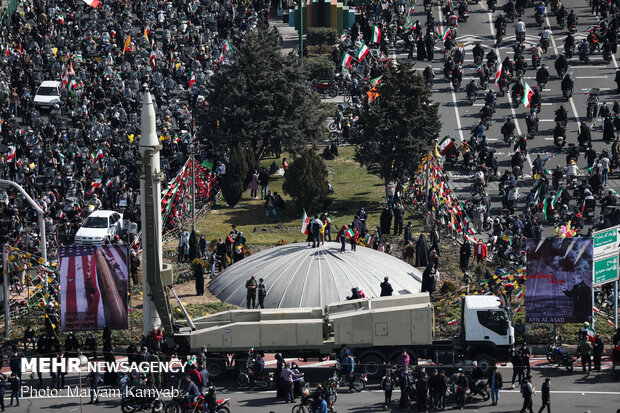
(300, 276)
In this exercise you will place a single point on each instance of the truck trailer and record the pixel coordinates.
(376, 330)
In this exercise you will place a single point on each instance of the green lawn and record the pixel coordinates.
(353, 188)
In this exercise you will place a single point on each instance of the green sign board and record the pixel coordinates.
(605, 270)
(606, 241)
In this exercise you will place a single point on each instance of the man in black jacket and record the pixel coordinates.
(497, 383)
(386, 288)
(461, 383)
(546, 396)
(581, 297)
(465, 254)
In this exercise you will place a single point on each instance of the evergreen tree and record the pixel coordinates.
(398, 126)
(306, 179)
(261, 101)
(234, 182)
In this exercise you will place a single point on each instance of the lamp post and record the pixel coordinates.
(301, 29)
(41, 216)
(192, 150)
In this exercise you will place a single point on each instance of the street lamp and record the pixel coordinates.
(191, 151)
(41, 215)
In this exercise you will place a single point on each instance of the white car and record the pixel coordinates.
(48, 95)
(99, 227)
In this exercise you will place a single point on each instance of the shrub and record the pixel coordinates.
(306, 180)
(320, 68)
(319, 36)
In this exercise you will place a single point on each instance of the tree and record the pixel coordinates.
(306, 179)
(234, 181)
(396, 128)
(261, 101)
(319, 68)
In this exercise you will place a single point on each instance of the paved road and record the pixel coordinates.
(571, 392)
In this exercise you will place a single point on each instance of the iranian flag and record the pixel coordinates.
(369, 238)
(10, 156)
(556, 197)
(346, 60)
(192, 80)
(376, 34)
(445, 34)
(153, 57)
(498, 74)
(375, 81)
(527, 95)
(351, 233)
(92, 3)
(304, 223)
(445, 145)
(452, 322)
(363, 51)
(226, 47)
(519, 294)
(591, 333)
(343, 36)
(96, 157)
(96, 184)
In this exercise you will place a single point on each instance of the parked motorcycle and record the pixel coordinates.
(329, 87)
(555, 355)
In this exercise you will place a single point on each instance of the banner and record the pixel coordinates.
(558, 286)
(93, 287)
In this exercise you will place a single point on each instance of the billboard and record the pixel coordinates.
(558, 286)
(93, 287)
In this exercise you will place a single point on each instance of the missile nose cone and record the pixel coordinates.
(149, 134)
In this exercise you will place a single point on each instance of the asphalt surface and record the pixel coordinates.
(571, 393)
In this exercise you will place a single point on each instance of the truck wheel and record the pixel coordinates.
(372, 365)
(485, 361)
(215, 368)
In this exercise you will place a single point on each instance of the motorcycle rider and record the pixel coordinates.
(537, 53)
(532, 121)
(478, 52)
(561, 64)
(545, 36)
(542, 75)
(477, 375)
(459, 55)
(508, 128)
(561, 15)
(490, 99)
(561, 115)
(569, 43)
(521, 65)
(567, 83)
(463, 9)
(257, 369)
(484, 74)
(471, 88)
(457, 75)
(571, 19)
(448, 66)
(520, 29)
(428, 73)
(584, 49)
(585, 137)
(500, 24)
(486, 112)
(521, 144)
(491, 59)
(517, 91)
(539, 9)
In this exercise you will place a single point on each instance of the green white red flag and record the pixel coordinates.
(375, 81)
(363, 51)
(376, 34)
(498, 74)
(346, 60)
(10, 156)
(304, 223)
(445, 145)
(527, 95)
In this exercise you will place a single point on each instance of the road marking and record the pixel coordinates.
(591, 77)
(546, 120)
(600, 88)
(455, 103)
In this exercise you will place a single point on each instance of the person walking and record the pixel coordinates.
(251, 286)
(465, 254)
(270, 207)
(199, 277)
(263, 180)
(404, 379)
(15, 388)
(262, 293)
(461, 386)
(527, 391)
(342, 238)
(253, 185)
(94, 379)
(2, 390)
(421, 387)
(517, 369)
(386, 288)
(599, 349)
(546, 396)
(387, 384)
(497, 383)
(585, 349)
(399, 214)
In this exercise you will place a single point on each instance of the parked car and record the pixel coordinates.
(99, 227)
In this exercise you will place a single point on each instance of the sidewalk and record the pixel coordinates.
(290, 37)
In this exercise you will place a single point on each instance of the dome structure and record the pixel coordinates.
(300, 276)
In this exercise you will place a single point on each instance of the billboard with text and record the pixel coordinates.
(558, 287)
